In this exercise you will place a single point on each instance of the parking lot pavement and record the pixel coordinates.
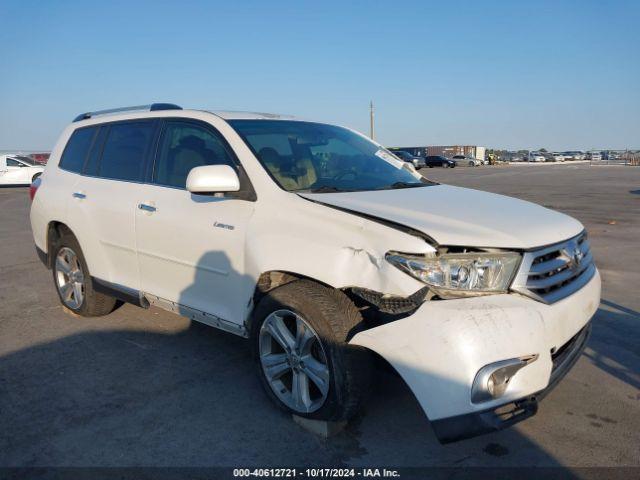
(145, 387)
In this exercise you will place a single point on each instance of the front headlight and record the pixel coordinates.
(453, 275)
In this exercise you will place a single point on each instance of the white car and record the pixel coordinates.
(18, 170)
(536, 157)
(558, 157)
(464, 161)
(319, 246)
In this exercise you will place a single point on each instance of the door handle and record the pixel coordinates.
(79, 195)
(146, 208)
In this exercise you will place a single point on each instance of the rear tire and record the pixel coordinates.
(330, 316)
(73, 282)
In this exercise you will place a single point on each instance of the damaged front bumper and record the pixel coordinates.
(439, 349)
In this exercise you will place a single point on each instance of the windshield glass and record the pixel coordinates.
(314, 157)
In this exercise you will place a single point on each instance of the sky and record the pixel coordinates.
(504, 74)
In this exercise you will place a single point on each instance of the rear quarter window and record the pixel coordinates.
(77, 149)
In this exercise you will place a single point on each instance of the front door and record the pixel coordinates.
(191, 247)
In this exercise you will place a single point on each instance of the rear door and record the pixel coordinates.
(105, 198)
(191, 248)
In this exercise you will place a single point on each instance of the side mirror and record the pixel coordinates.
(213, 179)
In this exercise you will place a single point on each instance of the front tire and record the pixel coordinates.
(73, 281)
(299, 337)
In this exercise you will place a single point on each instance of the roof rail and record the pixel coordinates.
(151, 108)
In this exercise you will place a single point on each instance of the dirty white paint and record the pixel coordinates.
(439, 349)
(462, 216)
(178, 254)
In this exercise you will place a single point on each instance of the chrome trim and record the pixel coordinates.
(568, 268)
(197, 315)
(479, 391)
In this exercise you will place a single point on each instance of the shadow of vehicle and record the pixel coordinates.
(613, 346)
(147, 388)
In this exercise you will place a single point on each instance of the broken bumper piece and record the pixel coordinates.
(439, 349)
(470, 425)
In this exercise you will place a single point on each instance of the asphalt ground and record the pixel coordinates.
(148, 388)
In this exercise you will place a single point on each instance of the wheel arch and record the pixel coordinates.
(55, 230)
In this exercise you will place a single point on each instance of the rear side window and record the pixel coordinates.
(93, 161)
(77, 148)
(125, 149)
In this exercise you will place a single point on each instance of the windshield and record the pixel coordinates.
(314, 157)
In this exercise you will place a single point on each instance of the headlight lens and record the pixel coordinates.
(460, 274)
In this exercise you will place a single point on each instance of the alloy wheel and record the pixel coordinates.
(293, 361)
(69, 278)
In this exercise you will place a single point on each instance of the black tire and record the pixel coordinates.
(94, 304)
(335, 319)
(472, 164)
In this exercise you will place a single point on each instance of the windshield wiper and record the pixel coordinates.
(326, 189)
(405, 185)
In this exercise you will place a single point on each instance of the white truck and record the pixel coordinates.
(319, 246)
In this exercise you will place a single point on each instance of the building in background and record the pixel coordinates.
(448, 151)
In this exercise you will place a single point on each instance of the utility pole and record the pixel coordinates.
(371, 118)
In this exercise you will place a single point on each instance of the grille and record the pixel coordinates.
(555, 272)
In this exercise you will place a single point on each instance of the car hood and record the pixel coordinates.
(460, 216)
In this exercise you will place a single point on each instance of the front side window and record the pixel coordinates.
(183, 147)
(125, 149)
(77, 148)
(314, 157)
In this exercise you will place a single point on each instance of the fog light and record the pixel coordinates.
(492, 380)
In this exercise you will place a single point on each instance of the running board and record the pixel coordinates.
(197, 315)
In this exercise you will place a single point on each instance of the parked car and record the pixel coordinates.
(536, 157)
(417, 162)
(555, 157)
(439, 161)
(574, 155)
(594, 156)
(319, 246)
(464, 161)
(18, 170)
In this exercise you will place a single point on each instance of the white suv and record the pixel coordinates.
(319, 246)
